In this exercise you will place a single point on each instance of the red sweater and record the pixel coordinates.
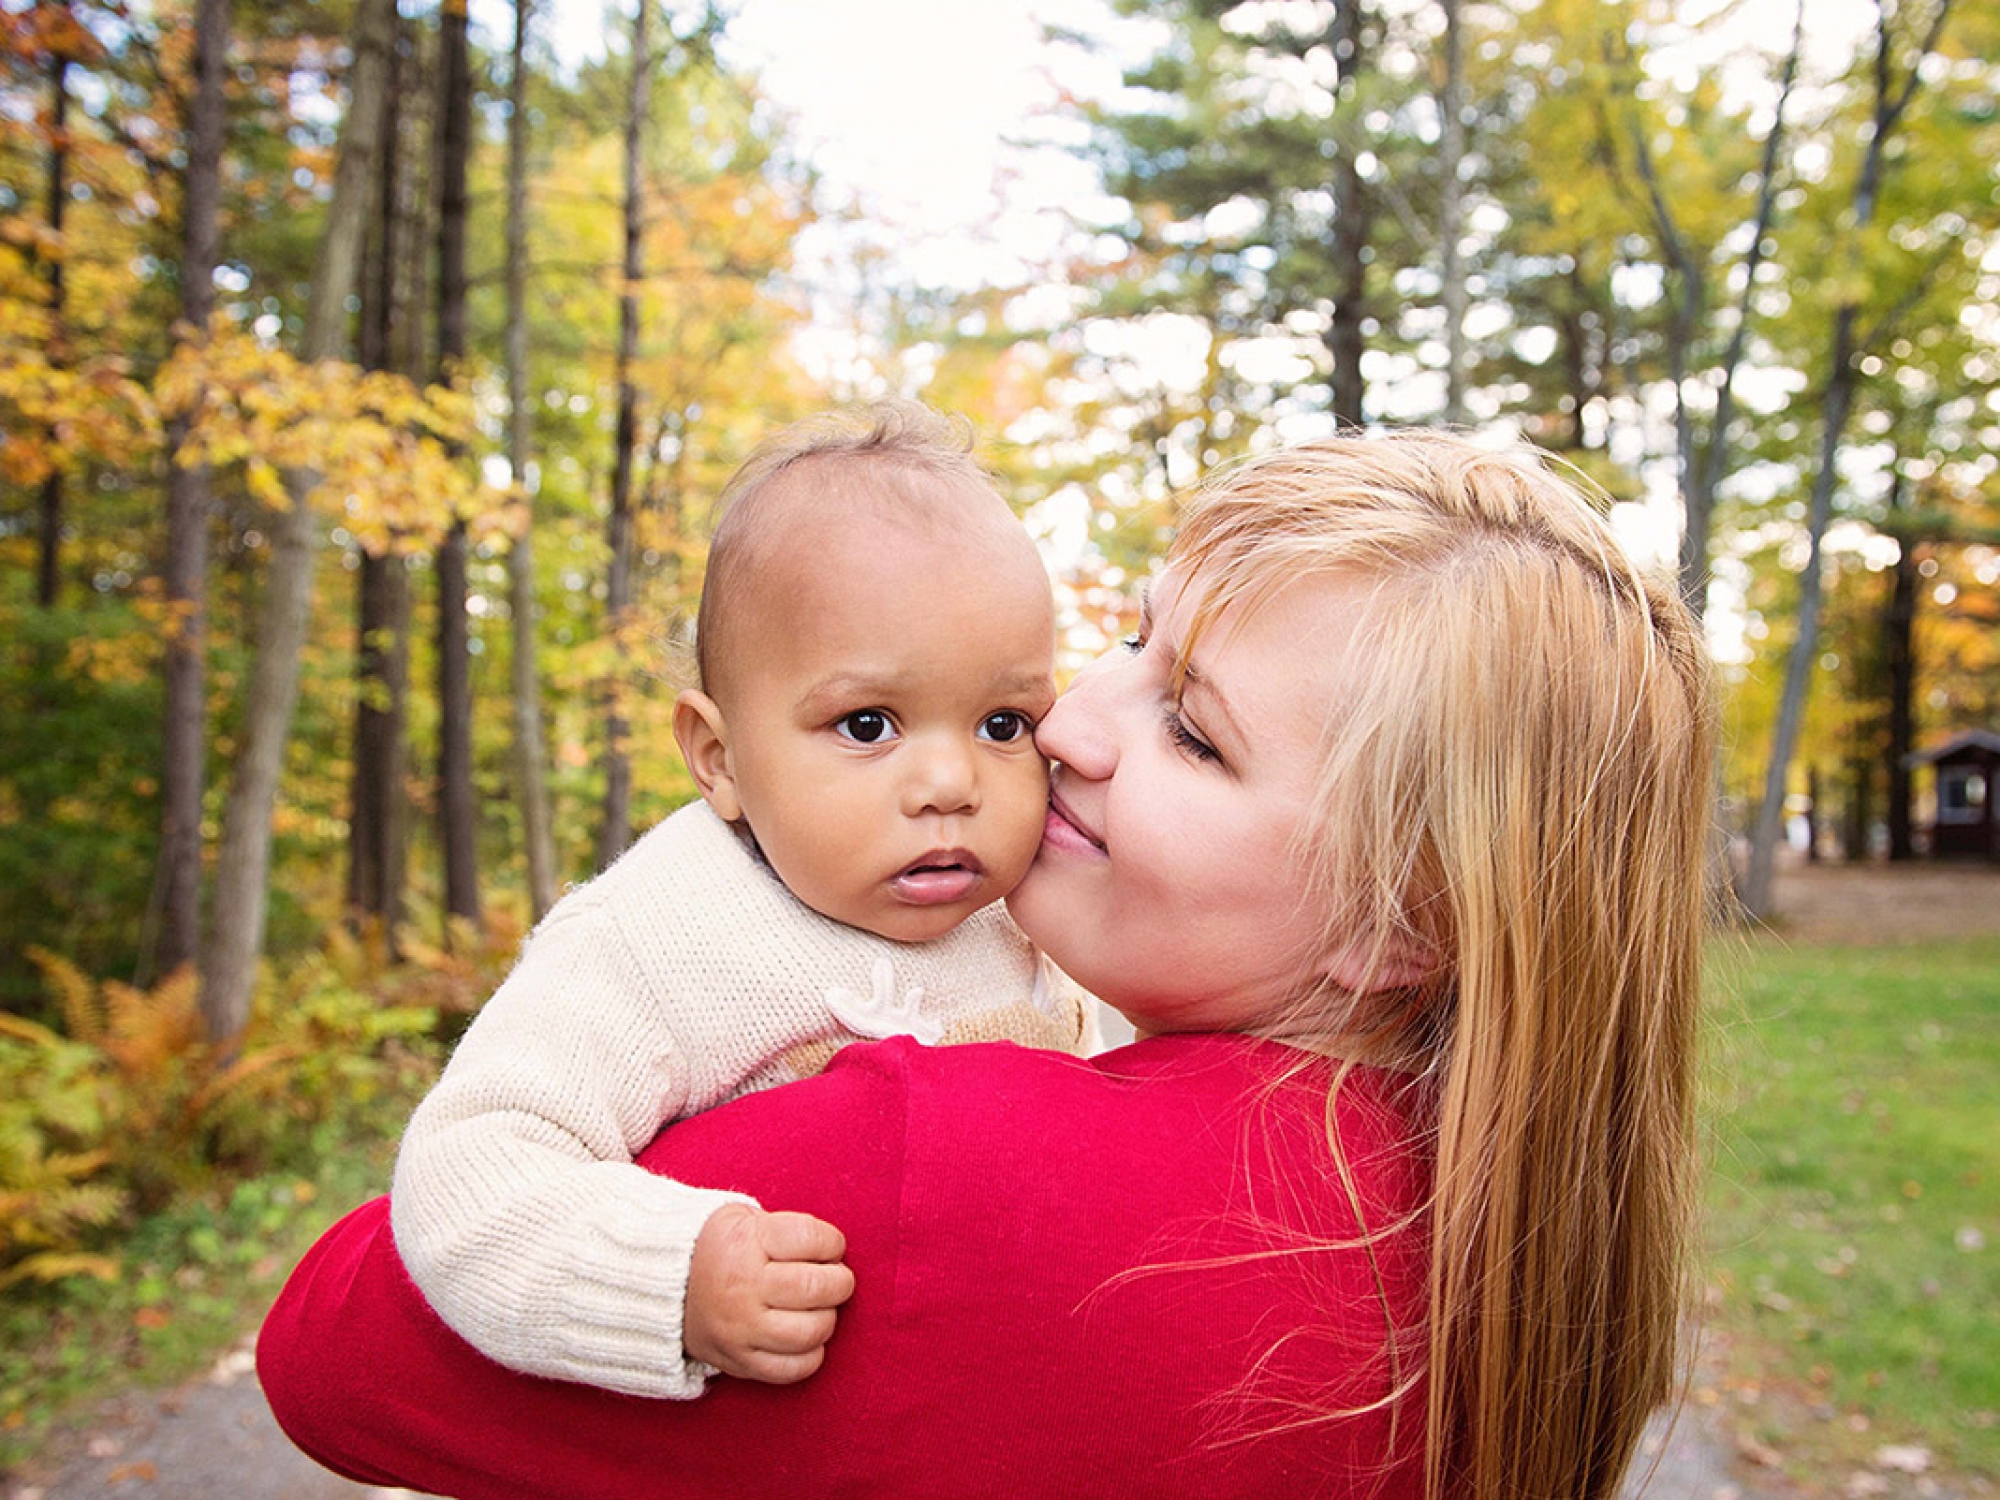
(1130, 1276)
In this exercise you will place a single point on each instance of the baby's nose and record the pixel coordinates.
(943, 777)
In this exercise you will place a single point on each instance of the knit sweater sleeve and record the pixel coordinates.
(516, 1205)
(681, 977)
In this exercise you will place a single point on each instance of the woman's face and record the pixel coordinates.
(1168, 881)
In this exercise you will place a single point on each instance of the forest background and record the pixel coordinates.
(368, 373)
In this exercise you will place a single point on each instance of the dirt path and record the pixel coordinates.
(214, 1437)
(1921, 902)
(210, 1439)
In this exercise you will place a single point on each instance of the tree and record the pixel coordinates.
(185, 576)
(243, 864)
(378, 814)
(1451, 210)
(530, 754)
(616, 829)
(1703, 461)
(1891, 96)
(458, 808)
(1352, 40)
(48, 576)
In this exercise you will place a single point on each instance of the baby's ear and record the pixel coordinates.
(704, 740)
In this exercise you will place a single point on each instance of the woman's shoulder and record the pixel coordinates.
(1171, 1108)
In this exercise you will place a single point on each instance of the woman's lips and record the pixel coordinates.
(1061, 830)
(940, 878)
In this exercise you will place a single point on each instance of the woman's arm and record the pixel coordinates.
(366, 1378)
(1121, 1279)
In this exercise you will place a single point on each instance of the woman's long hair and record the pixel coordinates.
(1515, 798)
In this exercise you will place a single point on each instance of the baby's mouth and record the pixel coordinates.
(940, 878)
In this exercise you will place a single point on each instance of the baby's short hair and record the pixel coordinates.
(898, 435)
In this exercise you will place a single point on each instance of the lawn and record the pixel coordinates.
(1853, 1226)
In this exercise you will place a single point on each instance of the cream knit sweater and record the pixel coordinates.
(683, 976)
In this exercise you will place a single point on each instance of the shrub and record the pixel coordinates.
(128, 1108)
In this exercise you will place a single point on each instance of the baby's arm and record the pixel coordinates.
(516, 1204)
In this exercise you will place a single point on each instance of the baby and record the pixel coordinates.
(875, 646)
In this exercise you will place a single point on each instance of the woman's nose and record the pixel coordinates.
(1079, 730)
(943, 777)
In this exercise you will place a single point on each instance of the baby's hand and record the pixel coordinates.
(762, 1289)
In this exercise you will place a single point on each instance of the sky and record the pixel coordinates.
(918, 111)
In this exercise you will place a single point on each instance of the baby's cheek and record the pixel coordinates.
(1020, 808)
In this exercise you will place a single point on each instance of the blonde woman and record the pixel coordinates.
(1388, 829)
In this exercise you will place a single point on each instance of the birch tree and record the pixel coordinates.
(185, 576)
(1894, 85)
(243, 862)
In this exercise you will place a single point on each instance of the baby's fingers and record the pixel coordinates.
(806, 1285)
(791, 1333)
(790, 1236)
(780, 1369)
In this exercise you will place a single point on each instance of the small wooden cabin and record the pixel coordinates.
(1966, 773)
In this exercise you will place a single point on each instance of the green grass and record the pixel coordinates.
(1854, 1195)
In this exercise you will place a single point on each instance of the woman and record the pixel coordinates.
(1389, 827)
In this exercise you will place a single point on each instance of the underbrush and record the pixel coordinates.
(154, 1190)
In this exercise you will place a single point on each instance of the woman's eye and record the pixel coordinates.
(1134, 643)
(866, 726)
(1186, 740)
(1006, 726)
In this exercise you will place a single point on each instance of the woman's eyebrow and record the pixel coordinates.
(1146, 608)
(1211, 695)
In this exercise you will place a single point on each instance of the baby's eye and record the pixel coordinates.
(865, 726)
(1133, 643)
(1006, 726)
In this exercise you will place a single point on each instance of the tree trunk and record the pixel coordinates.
(1702, 476)
(1574, 350)
(1899, 633)
(531, 787)
(616, 830)
(382, 596)
(1451, 211)
(1353, 210)
(1813, 795)
(458, 809)
(382, 665)
(1860, 809)
(186, 571)
(1757, 882)
(49, 521)
(243, 865)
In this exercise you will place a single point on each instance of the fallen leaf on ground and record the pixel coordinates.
(1761, 1454)
(1904, 1458)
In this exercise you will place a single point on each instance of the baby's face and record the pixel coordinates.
(880, 728)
